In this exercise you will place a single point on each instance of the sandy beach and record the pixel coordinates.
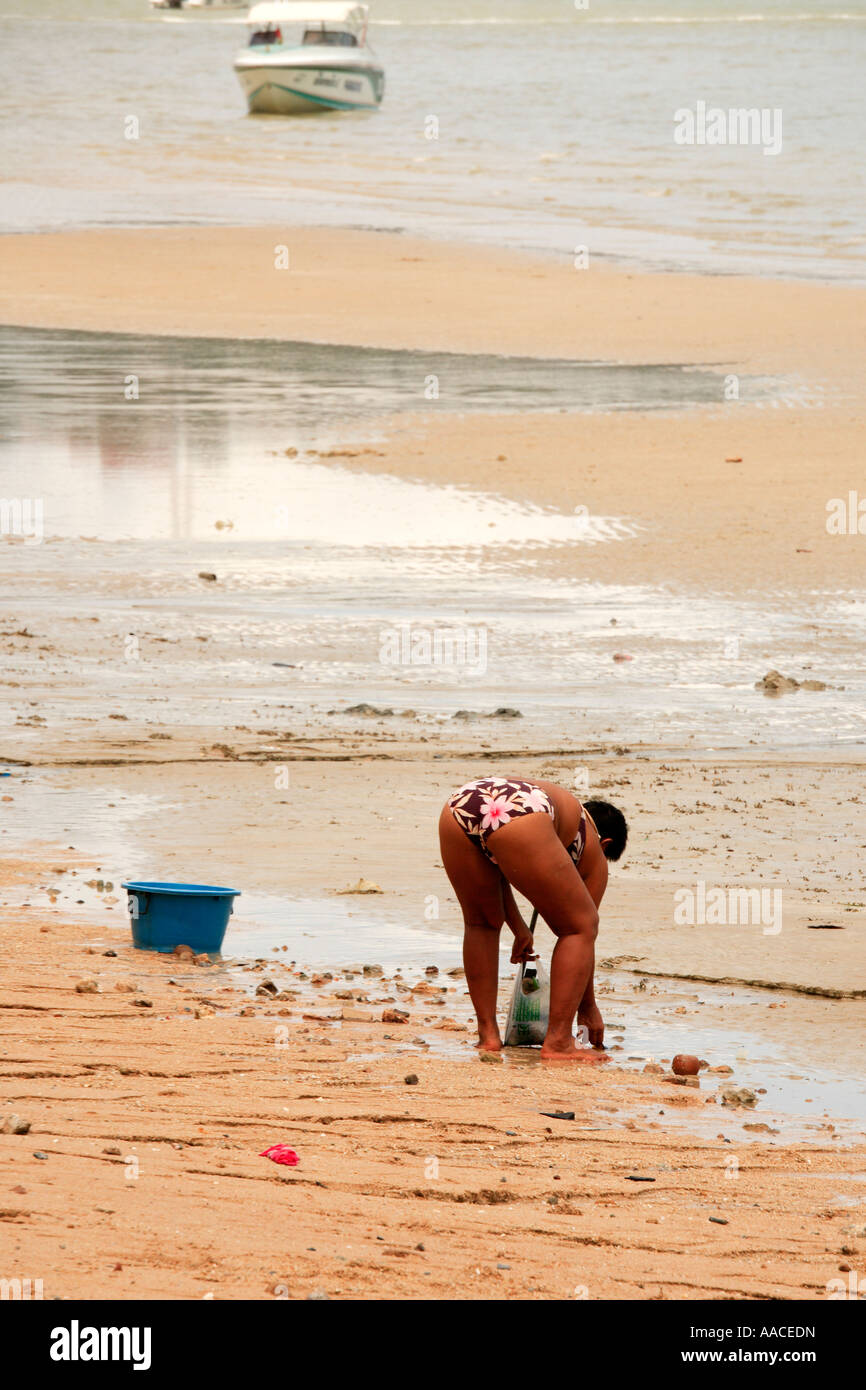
(336, 285)
(151, 1099)
(151, 1116)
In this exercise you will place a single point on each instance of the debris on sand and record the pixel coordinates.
(774, 683)
(267, 987)
(394, 1016)
(13, 1124)
(490, 1056)
(503, 712)
(411, 1079)
(281, 1153)
(369, 711)
(87, 987)
(733, 1097)
(183, 952)
(653, 1069)
(207, 576)
(364, 885)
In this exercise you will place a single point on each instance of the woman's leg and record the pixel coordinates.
(478, 885)
(536, 863)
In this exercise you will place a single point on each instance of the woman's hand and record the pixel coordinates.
(589, 1017)
(523, 949)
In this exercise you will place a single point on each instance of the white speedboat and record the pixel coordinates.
(325, 65)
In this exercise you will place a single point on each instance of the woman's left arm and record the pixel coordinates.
(524, 946)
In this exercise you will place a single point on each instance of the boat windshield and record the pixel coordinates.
(265, 36)
(333, 38)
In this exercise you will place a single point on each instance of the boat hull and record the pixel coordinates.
(287, 88)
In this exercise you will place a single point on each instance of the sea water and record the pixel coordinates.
(535, 123)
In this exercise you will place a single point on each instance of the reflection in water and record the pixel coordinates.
(159, 460)
(125, 435)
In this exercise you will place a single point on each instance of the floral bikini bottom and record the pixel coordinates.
(482, 806)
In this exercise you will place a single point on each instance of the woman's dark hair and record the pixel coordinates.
(610, 824)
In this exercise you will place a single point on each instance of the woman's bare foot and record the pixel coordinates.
(550, 1052)
(489, 1041)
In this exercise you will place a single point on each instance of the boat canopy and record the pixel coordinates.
(337, 12)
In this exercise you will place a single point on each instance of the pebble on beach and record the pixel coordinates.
(743, 1096)
(363, 885)
(13, 1124)
(684, 1064)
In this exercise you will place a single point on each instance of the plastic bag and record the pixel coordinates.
(281, 1153)
(530, 1006)
(529, 1011)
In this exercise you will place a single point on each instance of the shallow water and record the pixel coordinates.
(803, 1083)
(812, 1078)
(555, 128)
(805, 1090)
(239, 460)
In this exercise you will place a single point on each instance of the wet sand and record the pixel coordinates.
(170, 809)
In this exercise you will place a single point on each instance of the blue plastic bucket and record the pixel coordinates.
(165, 915)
